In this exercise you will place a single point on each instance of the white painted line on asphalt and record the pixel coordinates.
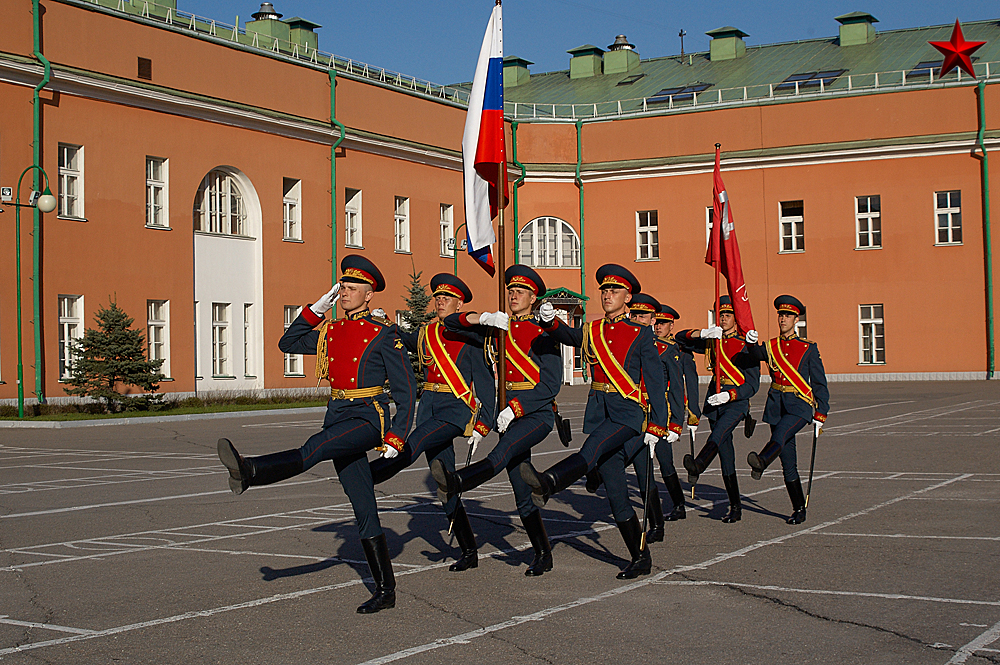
(46, 626)
(541, 615)
(830, 592)
(924, 414)
(316, 559)
(978, 644)
(871, 406)
(904, 535)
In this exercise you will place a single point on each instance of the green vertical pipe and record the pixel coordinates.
(583, 270)
(987, 239)
(37, 227)
(333, 177)
(517, 184)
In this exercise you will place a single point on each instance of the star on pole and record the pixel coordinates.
(956, 52)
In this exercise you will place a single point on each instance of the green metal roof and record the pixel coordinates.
(891, 51)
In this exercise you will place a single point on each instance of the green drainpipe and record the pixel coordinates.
(987, 240)
(333, 178)
(579, 183)
(517, 184)
(36, 253)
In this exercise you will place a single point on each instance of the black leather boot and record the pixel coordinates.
(760, 461)
(696, 466)
(655, 508)
(542, 561)
(246, 472)
(557, 478)
(593, 480)
(641, 562)
(449, 484)
(798, 502)
(377, 554)
(735, 513)
(673, 484)
(383, 469)
(466, 540)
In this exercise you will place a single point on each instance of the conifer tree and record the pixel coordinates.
(111, 358)
(416, 313)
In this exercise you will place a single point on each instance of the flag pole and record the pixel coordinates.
(717, 232)
(501, 268)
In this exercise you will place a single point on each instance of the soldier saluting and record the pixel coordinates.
(797, 396)
(534, 376)
(356, 354)
(727, 405)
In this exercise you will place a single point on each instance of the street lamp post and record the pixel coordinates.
(455, 251)
(45, 202)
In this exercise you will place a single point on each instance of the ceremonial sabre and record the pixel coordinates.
(812, 464)
(691, 433)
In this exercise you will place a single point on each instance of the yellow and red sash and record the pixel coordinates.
(446, 365)
(617, 376)
(729, 370)
(783, 365)
(522, 362)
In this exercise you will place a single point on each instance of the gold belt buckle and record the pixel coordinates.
(341, 393)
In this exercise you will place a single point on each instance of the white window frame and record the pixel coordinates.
(801, 326)
(71, 206)
(709, 213)
(220, 339)
(220, 207)
(291, 210)
(561, 247)
(401, 214)
(157, 211)
(798, 240)
(871, 329)
(249, 366)
(352, 218)
(865, 236)
(293, 361)
(447, 225)
(158, 333)
(70, 328)
(951, 214)
(647, 236)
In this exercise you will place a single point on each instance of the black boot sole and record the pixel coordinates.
(230, 458)
(440, 475)
(534, 481)
(655, 535)
(732, 516)
(382, 600)
(798, 517)
(635, 569)
(756, 468)
(465, 563)
(542, 564)
(676, 514)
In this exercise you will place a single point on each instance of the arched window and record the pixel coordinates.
(548, 242)
(219, 206)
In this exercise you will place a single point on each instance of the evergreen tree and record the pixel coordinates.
(417, 313)
(113, 357)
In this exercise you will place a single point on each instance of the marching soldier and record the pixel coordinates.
(623, 357)
(456, 366)
(797, 396)
(356, 354)
(677, 400)
(731, 404)
(665, 329)
(533, 377)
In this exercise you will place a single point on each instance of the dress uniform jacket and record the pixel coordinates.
(362, 353)
(670, 357)
(691, 399)
(738, 352)
(783, 398)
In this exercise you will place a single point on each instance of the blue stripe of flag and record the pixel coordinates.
(493, 97)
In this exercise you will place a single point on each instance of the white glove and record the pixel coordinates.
(389, 452)
(546, 313)
(713, 332)
(693, 429)
(378, 312)
(817, 426)
(718, 398)
(752, 336)
(650, 440)
(494, 319)
(325, 304)
(504, 419)
(673, 437)
(474, 440)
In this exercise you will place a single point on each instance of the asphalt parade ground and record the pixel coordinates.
(123, 544)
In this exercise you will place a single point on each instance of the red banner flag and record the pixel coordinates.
(724, 251)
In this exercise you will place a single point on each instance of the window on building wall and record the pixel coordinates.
(220, 339)
(872, 332)
(291, 206)
(793, 237)
(647, 239)
(549, 242)
(293, 361)
(158, 333)
(70, 328)
(800, 326)
(352, 217)
(219, 206)
(869, 221)
(948, 213)
(447, 229)
(71, 181)
(709, 219)
(402, 224)
(248, 341)
(156, 193)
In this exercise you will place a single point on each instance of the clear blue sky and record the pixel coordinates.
(439, 40)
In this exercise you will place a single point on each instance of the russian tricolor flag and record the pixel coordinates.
(483, 146)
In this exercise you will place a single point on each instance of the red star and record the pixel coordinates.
(956, 52)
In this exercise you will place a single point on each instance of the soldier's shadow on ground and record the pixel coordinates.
(720, 502)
